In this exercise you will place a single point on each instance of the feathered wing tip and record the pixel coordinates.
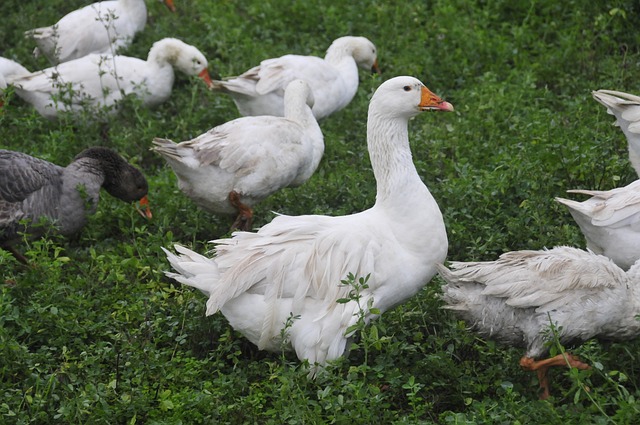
(165, 147)
(609, 98)
(217, 85)
(452, 293)
(626, 108)
(573, 205)
(193, 269)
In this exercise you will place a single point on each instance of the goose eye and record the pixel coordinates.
(406, 88)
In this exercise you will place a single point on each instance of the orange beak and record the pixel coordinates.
(205, 76)
(170, 5)
(144, 203)
(375, 68)
(430, 101)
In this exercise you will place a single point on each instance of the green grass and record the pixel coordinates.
(94, 333)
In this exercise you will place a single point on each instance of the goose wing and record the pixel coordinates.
(542, 280)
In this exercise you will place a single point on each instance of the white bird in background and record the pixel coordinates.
(626, 108)
(293, 266)
(233, 166)
(516, 298)
(99, 82)
(102, 27)
(333, 80)
(610, 222)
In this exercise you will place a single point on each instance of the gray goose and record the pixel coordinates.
(36, 195)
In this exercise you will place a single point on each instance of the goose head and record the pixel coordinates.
(406, 97)
(182, 56)
(364, 52)
(121, 179)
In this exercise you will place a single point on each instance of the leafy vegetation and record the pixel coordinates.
(93, 332)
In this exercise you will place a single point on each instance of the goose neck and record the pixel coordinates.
(296, 109)
(164, 53)
(341, 58)
(390, 155)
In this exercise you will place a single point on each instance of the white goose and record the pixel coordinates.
(237, 164)
(99, 82)
(626, 108)
(294, 265)
(610, 222)
(333, 80)
(102, 27)
(513, 298)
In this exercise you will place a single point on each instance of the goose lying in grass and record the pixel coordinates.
(237, 164)
(610, 222)
(514, 298)
(99, 82)
(626, 108)
(333, 80)
(293, 266)
(33, 190)
(103, 28)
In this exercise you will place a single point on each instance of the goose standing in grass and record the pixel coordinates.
(333, 80)
(103, 28)
(98, 82)
(610, 222)
(626, 108)
(237, 164)
(516, 298)
(33, 190)
(293, 266)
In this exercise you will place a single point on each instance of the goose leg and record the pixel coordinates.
(245, 214)
(541, 367)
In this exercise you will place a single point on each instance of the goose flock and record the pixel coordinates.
(294, 265)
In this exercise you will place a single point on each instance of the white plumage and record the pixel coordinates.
(512, 299)
(102, 28)
(95, 82)
(233, 166)
(610, 222)
(11, 69)
(333, 80)
(294, 265)
(626, 108)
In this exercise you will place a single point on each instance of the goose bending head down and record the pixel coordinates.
(626, 108)
(293, 266)
(98, 82)
(333, 80)
(610, 222)
(233, 166)
(33, 190)
(104, 28)
(517, 298)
